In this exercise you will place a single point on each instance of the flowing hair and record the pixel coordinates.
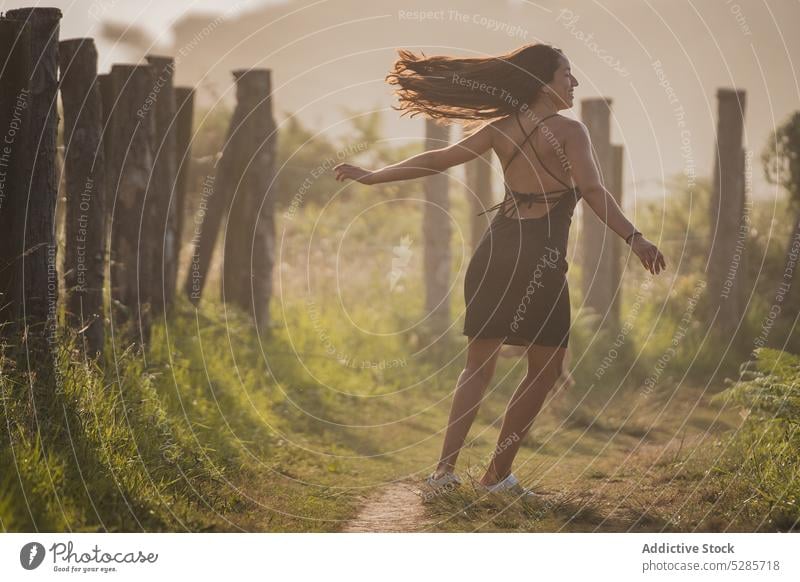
(472, 89)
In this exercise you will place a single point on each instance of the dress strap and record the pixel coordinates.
(501, 205)
(526, 197)
(498, 206)
(527, 137)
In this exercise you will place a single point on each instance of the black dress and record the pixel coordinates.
(516, 286)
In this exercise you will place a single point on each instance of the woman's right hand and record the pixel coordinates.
(648, 253)
(351, 172)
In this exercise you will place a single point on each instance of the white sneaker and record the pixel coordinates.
(511, 485)
(448, 480)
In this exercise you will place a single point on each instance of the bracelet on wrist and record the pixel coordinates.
(630, 237)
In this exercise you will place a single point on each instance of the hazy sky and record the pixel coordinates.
(84, 17)
(661, 62)
(81, 15)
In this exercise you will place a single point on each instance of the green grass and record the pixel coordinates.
(166, 446)
(220, 428)
(762, 456)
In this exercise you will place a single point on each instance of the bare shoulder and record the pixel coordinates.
(575, 128)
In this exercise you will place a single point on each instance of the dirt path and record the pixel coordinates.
(394, 508)
(605, 473)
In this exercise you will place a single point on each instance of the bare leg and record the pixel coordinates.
(471, 385)
(544, 368)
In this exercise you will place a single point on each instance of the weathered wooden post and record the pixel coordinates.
(479, 186)
(787, 290)
(437, 230)
(212, 204)
(35, 214)
(15, 45)
(250, 232)
(599, 249)
(617, 247)
(184, 115)
(107, 98)
(261, 183)
(84, 267)
(131, 166)
(728, 239)
(162, 234)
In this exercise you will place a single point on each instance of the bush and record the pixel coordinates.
(765, 450)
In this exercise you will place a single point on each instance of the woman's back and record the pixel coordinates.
(526, 173)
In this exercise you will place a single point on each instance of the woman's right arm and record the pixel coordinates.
(425, 163)
(578, 149)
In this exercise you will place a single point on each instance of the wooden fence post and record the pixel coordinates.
(250, 231)
(84, 267)
(107, 98)
(211, 207)
(599, 249)
(163, 232)
(617, 246)
(35, 215)
(727, 245)
(184, 115)
(15, 45)
(131, 166)
(437, 230)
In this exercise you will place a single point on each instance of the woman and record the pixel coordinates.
(515, 287)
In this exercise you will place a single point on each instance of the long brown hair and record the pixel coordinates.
(470, 89)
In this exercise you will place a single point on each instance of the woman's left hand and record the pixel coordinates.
(350, 172)
(648, 253)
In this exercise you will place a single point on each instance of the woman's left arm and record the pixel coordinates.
(578, 149)
(424, 164)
